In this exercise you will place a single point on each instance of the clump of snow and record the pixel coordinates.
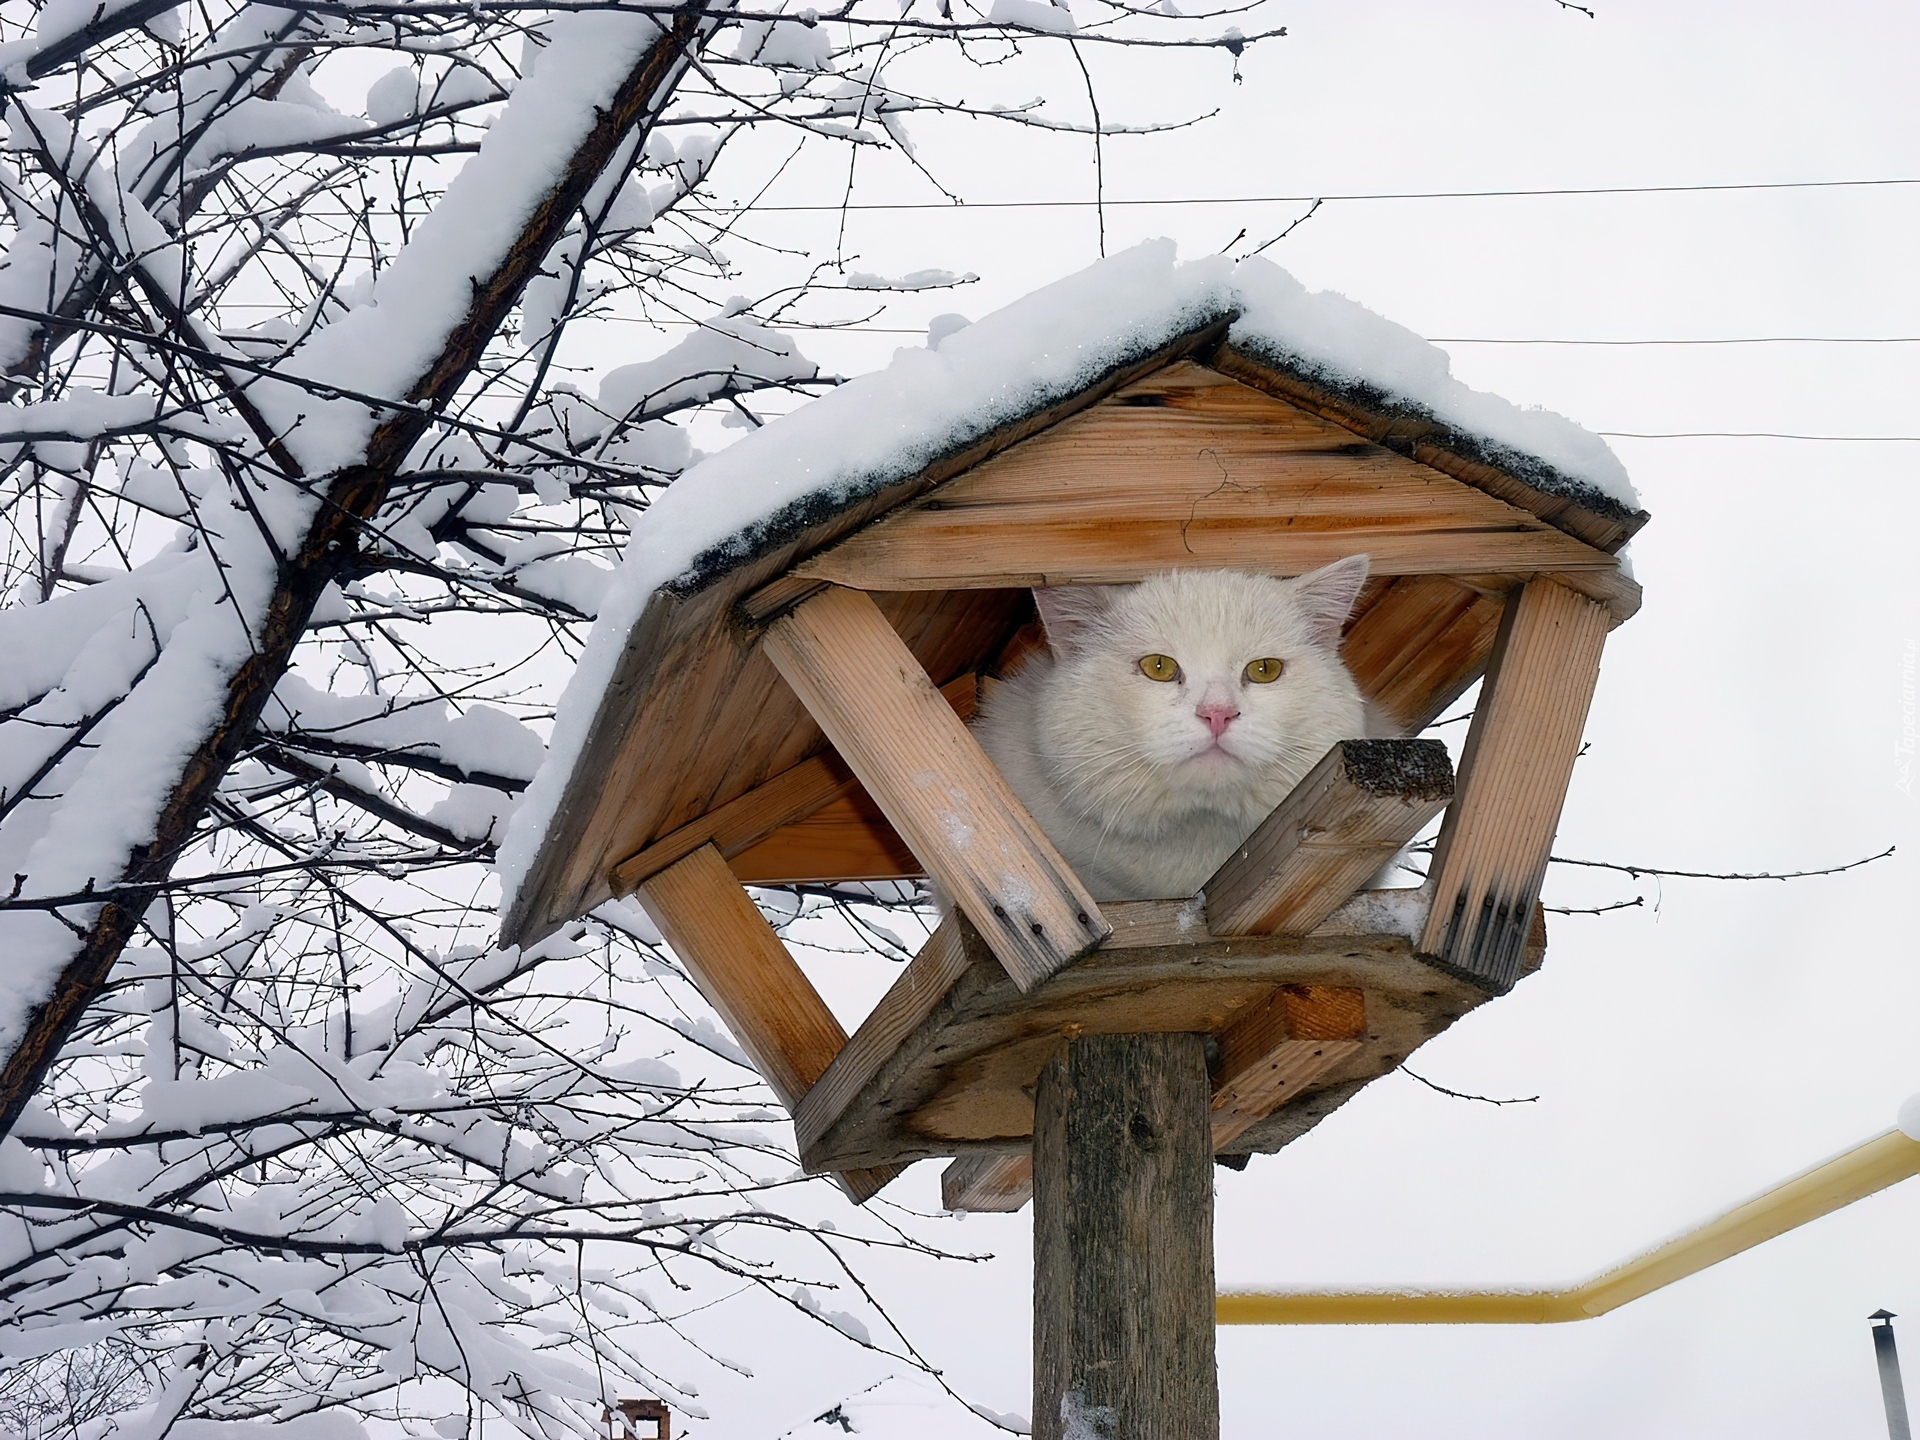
(1909, 1121)
(941, 326)
(1030, 15)
(383, 348)
(970, 379)
(917, 280)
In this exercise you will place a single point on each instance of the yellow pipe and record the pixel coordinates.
(1860, 1172)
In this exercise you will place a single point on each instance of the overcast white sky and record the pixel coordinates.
(1685, 1054)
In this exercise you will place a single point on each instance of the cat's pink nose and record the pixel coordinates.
(1218, 716)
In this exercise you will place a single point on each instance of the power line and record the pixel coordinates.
(1689, 340)
(1749, 435)
(1561, 190)
(1431, 339)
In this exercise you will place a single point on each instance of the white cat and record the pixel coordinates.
(1173, 716)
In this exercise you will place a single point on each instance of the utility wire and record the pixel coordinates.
(1431, 339)
(1562, 190)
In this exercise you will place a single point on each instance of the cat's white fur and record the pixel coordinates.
(1126, 774)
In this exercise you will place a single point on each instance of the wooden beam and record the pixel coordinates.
(1123, 1341)
(754, 820)
(1581, 511)
(988, 1184)
(845, 839)
(1361, 803)
(743, 969)
(1420, 645)
(742, 823)
(901, 1011)
(1492, 852)
(1189, 468)
(1277, 1050)
(926, 771)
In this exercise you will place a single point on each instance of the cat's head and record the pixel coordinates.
(1196, 690)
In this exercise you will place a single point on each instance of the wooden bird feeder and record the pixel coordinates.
(796, 712)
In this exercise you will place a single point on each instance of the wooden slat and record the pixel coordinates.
(1212, 474)
(846, 839)
(743, 969)
(1361, 803)
(1276, 1051)
(945, 1064)
(988, 1184)
(743, 824)
(1492, 852)
(1593, 518)
(1419, 645)
(927, 772)
(901, 1011)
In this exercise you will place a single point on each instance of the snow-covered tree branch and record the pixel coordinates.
(310, 481)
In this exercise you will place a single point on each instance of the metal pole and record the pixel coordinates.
(1891, 1390)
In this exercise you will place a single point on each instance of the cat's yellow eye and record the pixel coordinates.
(1159, 667)
(1266, 670)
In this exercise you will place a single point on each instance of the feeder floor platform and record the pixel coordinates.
(947, 1063)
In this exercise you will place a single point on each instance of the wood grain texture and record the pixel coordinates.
(1277, 1049)
(845, 839)
(1420, 645)
(988, 1184)
(1514, 770)
(1597, 521)
(1342, 823)
(1123, 1334)
(929, 977)
(929, 775)
(743, 970)
(759, 821)
(1214, 474)
(946, 1062)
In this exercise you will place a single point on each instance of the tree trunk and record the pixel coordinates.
(1123, 1243)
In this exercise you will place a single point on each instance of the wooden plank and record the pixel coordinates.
(929, 976)
(988, 1184)
(846, 839)
(1594, 518)
(756, 606)
(1419, 645)
(1123, 1335)
(743, 969)
(935, 784)
(1342, 822)
(1492, 852)
(1277, 1050)
(1212, 474)
(946, 1063)
(745, 822)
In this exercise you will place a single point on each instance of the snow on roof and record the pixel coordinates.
(888, 425)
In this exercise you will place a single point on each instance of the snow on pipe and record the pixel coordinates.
(1857, 1173)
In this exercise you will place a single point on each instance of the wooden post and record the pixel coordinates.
(935, 784)
(1123, 1242)
(1492, 852)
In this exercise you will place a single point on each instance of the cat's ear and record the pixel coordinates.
(1327, 596)
(1069, 613)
